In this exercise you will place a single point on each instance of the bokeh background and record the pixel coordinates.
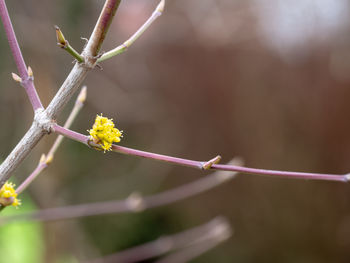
(266, 80)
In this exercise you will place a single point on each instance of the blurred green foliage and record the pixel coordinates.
(21, 242)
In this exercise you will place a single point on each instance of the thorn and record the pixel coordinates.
(16, 77)
(207, 165)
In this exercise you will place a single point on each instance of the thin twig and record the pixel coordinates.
(212, 232)
(64, 44)
(134, 203)
(203, 165)
(26, 79)
(46, 160)
(123, 47)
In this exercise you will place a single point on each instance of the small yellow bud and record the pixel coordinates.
(104, 133)
(8, 195)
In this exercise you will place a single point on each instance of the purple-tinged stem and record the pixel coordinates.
(199, 165)
(311, 176)
(41, 166)
(70, 134)
(27, 81)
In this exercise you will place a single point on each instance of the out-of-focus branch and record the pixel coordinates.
(46, 160)
(134, 203)
(190, 243)
(123, 47)
(26, 77)
(192, 252)
(211, 164)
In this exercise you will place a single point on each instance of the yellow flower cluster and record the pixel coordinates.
(104, 133)
(8, 195)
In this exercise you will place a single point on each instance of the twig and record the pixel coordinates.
(26, 79)
(94, 44)
(213, 232)
(123, 47)
(199, 165)
(64, 44)
(134, 203)
(46, 160)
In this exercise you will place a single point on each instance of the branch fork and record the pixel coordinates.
(43, 121)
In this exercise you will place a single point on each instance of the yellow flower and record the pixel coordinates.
(104, 133)
(8, 195)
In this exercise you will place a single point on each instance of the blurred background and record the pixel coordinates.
(264, 80)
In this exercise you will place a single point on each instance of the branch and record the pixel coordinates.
(134, 203)
(47, 159)
(25, 78)
(211, 164)
(123, 47)
(42, 124)
(98, 35)
(201, 238)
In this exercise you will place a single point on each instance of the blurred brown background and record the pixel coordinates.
(265, 80)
